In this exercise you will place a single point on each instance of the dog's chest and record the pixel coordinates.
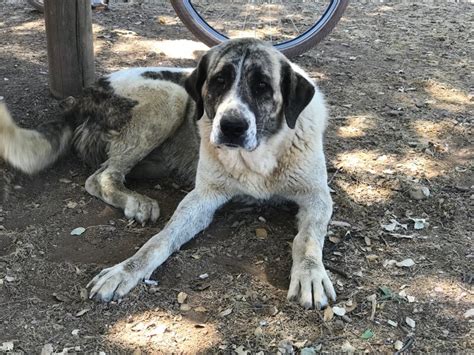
(252, 173)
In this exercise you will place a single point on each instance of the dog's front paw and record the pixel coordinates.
(310, 285)
(113, 283)
(141, 208)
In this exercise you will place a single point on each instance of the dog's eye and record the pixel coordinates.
(219, 80)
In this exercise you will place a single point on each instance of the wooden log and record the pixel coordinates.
(70, 46)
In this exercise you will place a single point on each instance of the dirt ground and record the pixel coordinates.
(398, 80)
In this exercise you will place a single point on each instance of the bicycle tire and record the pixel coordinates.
(37, 5)
(293, 47)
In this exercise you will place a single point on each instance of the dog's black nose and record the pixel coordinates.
(233, 127)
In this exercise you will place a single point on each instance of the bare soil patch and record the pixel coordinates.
(398, 79)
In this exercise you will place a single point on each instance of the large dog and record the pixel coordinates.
(246, 121)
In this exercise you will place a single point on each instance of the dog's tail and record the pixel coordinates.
(32, 150)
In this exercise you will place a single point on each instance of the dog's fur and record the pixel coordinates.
(260, 120)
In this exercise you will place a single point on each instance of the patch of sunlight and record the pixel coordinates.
(447, 97)
(162, 332)
(444, 290)
(430, 130)
(355, 126)
(365, 194)
(36, 25)
(180, 48)
(374, 162)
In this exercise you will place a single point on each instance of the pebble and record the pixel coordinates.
(419, 192)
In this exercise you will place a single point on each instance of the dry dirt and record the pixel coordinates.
(398, 79)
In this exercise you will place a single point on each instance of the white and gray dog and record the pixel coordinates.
(246, 121)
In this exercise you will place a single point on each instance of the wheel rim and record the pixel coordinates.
(329, 11)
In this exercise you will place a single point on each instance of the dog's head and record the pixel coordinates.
(248, 90)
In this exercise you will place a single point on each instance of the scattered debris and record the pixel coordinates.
(261, 233)
(338, 311)
(340, 224)
(225, 312)
(469, 313)
(185, 307)
(368, 334)
(405, 263)
(7, 346)
(150, 282)
(309, 351)
(82, 312)
(392, 323)
(373, 300)
(78, 231)
(182, 297)
(419, 192)
(394, 225)
(47, 349)
(398, 345)
(410, 322)
(347, 348)
(420, 223)
(328, 314)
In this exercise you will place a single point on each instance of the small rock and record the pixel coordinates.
(78, 231)
(261, 233)
(469, 313)
(258, 331)
(7, 346)
(200, 309)
(347, 348)
(339, 311)
(71, 205)
(285, 347)
(47, 349)
(75, 332)
(185, 307)
(9, 278)
(182, 297)
(398, 345)
(203, 276)
(410, 322)
(419, 192)
(405, 263)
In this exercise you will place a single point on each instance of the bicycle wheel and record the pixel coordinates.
(37, 4)
(292, 26)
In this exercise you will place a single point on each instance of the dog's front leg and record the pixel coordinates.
(193, 214)
(310, 284)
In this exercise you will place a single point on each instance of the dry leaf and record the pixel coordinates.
(340, 224)
(82, 312)
(225, 312)
(261, 233)
(371, 257)
(200, 309)
(328, 314)
(334, 239)
(347, 348)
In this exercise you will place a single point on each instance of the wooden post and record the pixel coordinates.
(70, 46)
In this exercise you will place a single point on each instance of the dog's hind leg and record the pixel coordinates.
(124, 153)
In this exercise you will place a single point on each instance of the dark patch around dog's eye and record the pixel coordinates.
(223, 79)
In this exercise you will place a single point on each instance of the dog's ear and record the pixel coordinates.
(297, 93)
(194, 83)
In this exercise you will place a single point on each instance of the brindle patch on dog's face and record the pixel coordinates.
(248, 85)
